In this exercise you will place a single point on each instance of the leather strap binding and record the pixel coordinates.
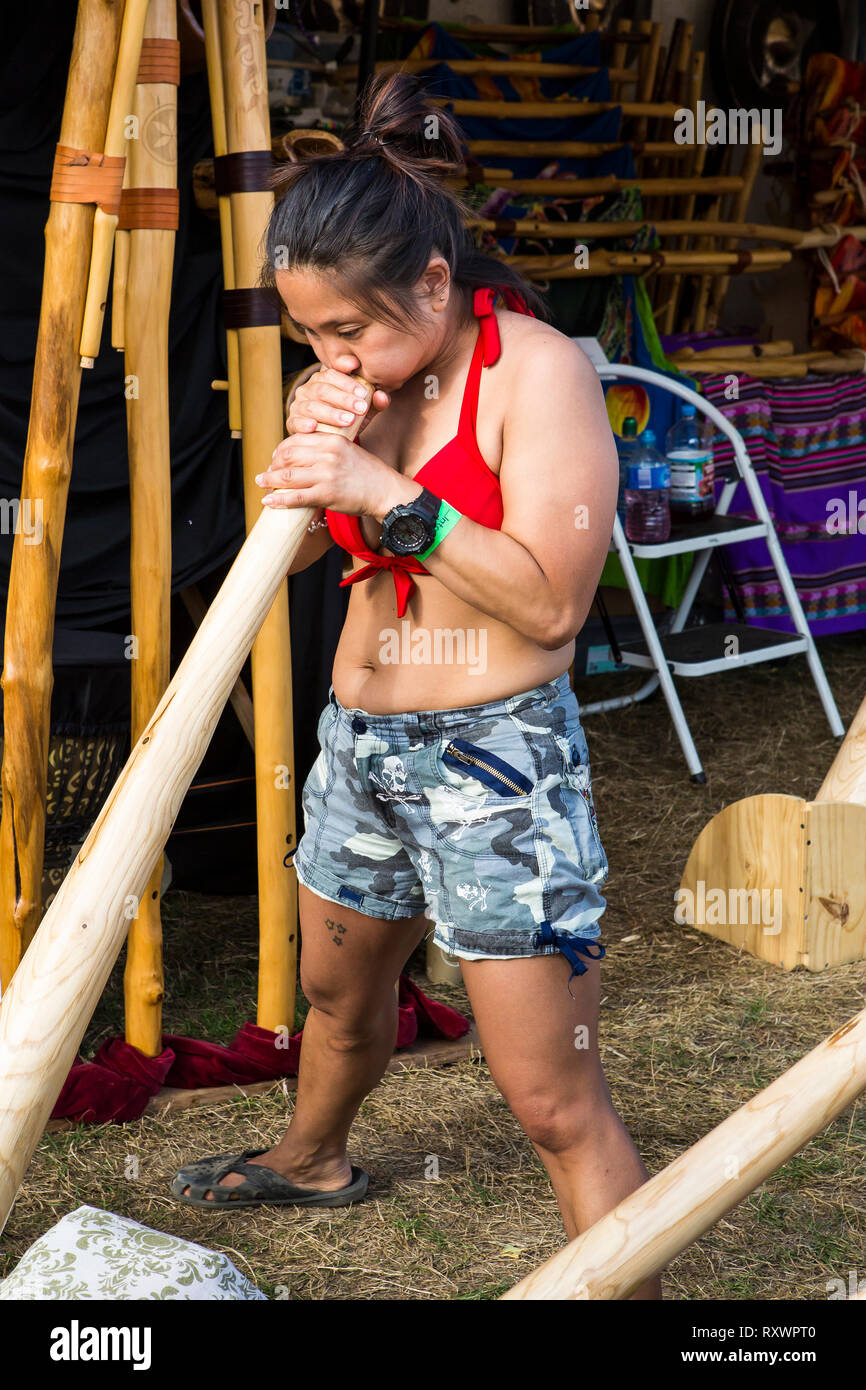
(744, 259)
(248, 171)
(81, 177)
(504, 226)
(160, 61)
(149, 207)
(253, 308)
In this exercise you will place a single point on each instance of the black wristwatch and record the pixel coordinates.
(411, 528)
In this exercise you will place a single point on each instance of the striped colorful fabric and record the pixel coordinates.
(807, 443)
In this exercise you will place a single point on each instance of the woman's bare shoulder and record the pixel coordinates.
(528, 341)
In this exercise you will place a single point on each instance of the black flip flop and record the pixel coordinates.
(262, 1187)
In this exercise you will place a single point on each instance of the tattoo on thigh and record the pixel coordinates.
(337, 931)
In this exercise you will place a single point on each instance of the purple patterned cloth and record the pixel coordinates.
(807, 442)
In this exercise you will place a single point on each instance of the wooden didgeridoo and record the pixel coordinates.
(27, 671)
(47, 1007)
(152, 164)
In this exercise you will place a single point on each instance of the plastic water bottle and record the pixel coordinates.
(647, 494)
(690, 454)
(625, 447)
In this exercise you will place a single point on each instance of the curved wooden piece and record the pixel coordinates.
(640, 1236)
(27, 673)
(744, 876)
(834, 884)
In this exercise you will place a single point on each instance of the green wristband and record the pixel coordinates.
(446, 521)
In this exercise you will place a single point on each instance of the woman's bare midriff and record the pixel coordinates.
(443, 654)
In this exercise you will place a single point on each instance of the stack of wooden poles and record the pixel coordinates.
(115, 191)
(650, 84)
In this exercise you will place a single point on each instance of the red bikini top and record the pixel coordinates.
(457, 473)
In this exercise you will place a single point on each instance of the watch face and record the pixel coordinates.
(409, 533)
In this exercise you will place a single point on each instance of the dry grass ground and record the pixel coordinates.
(690, 1031)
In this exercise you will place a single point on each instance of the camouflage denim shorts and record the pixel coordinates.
(481, 818)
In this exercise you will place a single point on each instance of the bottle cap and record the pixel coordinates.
(689, 409)
(629, 427)
(648, 437)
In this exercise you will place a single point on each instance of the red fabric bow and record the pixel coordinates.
(482, 306)
(401, 567)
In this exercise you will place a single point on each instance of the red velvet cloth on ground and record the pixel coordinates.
(120, 1080)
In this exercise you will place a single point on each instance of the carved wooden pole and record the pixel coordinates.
(150, 210)
(257, 319)
(80, 176)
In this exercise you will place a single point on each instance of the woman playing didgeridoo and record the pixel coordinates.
(453, 779)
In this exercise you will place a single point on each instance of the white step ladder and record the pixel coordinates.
(701, 651)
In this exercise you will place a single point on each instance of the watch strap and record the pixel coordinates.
(446, 521)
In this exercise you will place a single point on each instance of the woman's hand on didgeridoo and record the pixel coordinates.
(328, 470)
(330, 397)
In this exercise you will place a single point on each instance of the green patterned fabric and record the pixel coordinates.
(97, 1254)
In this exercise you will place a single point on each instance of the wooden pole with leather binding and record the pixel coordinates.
(255, 313)
(149, 214)
(81, 177)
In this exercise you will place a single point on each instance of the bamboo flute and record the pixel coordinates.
(46, 1009)
(611, 230)
(768, 368)
(218, 120)
(482, 67)
(505, 33)
(602, 263)
(607, 183)
(119, 278)
(752, 159)
(697, 168)
(105, 223)
(703, 243)
(679, 92)
(553, 149)
(242, 44)
(153, 164)
(645, 1231)
(777, 348)
(27, 672)
(618, 59)
(651, 33)
(543, 110)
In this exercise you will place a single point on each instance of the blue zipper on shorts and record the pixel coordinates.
(489, 769)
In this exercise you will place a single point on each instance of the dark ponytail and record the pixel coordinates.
(375, 211)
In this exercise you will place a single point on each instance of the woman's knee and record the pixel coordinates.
(557, 1123)
(353, 1016)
